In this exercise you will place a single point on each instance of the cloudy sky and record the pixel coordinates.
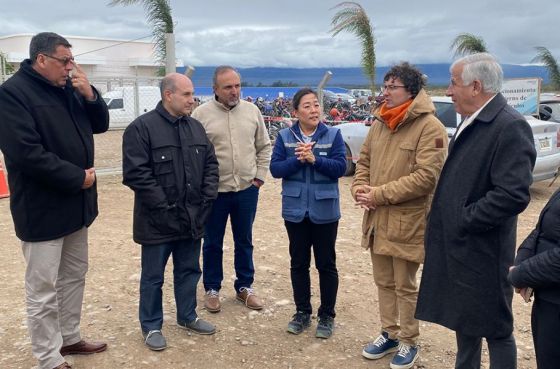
(295, 33)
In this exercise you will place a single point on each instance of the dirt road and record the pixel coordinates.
(245, 338)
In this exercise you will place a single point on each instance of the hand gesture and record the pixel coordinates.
(304, 152)
(81, 82)
(364, 197)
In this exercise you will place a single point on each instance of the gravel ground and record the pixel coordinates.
(245, 338)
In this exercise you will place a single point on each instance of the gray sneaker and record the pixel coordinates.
(154, 340)
(325, 327)
(198, 326)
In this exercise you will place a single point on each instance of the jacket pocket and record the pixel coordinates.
(407, 151)
(163, 167)
(165, 220)
(406, 225)
(292, 205)
(326, 206)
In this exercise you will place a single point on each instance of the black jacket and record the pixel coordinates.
(46, 135)
(170, 165)
(538, 258)
(471, 231)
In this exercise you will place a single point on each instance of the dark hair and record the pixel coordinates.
(411, 77)
(46, 43)
(222, 69)
(301, 93)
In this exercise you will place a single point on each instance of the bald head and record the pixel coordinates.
(177, 94)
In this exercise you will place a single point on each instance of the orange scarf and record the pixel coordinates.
(393, 116)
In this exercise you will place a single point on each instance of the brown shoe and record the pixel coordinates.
(64, 365)
(83, 348)
(247, 296)
(212, 301)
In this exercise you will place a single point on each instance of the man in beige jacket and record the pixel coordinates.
(236, 129)
(399, 165)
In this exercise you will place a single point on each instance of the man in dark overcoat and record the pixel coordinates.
(471, 233)
(47, 120)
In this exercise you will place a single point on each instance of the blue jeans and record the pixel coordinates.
(186, 274)
(241, 207)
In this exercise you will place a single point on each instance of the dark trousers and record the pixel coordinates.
(502, 351)
(545, 322)
(186, 274)
(241, 208)
(322, 237)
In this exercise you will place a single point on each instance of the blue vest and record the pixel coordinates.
(308, 192)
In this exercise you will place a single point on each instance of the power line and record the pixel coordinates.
(117, 44)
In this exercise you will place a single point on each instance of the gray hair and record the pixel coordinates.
(483, 67)
(222, 69)
(167, 83)
(46, 43)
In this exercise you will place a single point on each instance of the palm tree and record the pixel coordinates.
(544, 56)
(467, 43)
(353, 18)
(158, 13)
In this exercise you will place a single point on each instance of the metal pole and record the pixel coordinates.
(170, 53)
(136, 92)
(2, 68)
(189, 71)
(322, 84)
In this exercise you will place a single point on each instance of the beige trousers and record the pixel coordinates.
(54, 289)
(398, 291)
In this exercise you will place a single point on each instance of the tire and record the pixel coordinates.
(350, 166)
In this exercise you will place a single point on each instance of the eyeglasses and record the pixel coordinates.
(392, 87)
(65, 61)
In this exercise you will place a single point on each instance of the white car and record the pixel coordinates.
(546, 136)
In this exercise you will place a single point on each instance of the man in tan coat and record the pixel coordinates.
(399, 165)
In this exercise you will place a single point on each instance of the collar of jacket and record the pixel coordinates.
(421, 104)
(27, 68)
(222, 106)
(165, 114)
(490, 111)
(321, 130)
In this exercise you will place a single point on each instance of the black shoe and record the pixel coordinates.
(154, 340)
(325, 327)
(299, 322)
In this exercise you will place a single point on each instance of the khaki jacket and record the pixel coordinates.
(403, 168)
(241, 142)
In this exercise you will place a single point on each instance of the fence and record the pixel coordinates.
(129, 97)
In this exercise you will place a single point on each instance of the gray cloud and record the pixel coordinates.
(296, 33)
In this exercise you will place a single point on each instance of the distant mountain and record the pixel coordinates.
(438, 75)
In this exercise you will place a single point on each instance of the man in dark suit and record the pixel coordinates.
(470, 237)
(48, 119)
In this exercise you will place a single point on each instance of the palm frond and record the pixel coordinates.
(353, 18)
(158, 15)
(467, 43)
(545, 57)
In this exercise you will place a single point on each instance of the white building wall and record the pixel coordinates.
(98, 57)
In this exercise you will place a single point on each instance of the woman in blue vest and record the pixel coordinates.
(310, 157)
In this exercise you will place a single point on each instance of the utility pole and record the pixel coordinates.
(322, 84)
(170, 53)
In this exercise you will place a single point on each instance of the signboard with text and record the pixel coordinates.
(522, 94)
